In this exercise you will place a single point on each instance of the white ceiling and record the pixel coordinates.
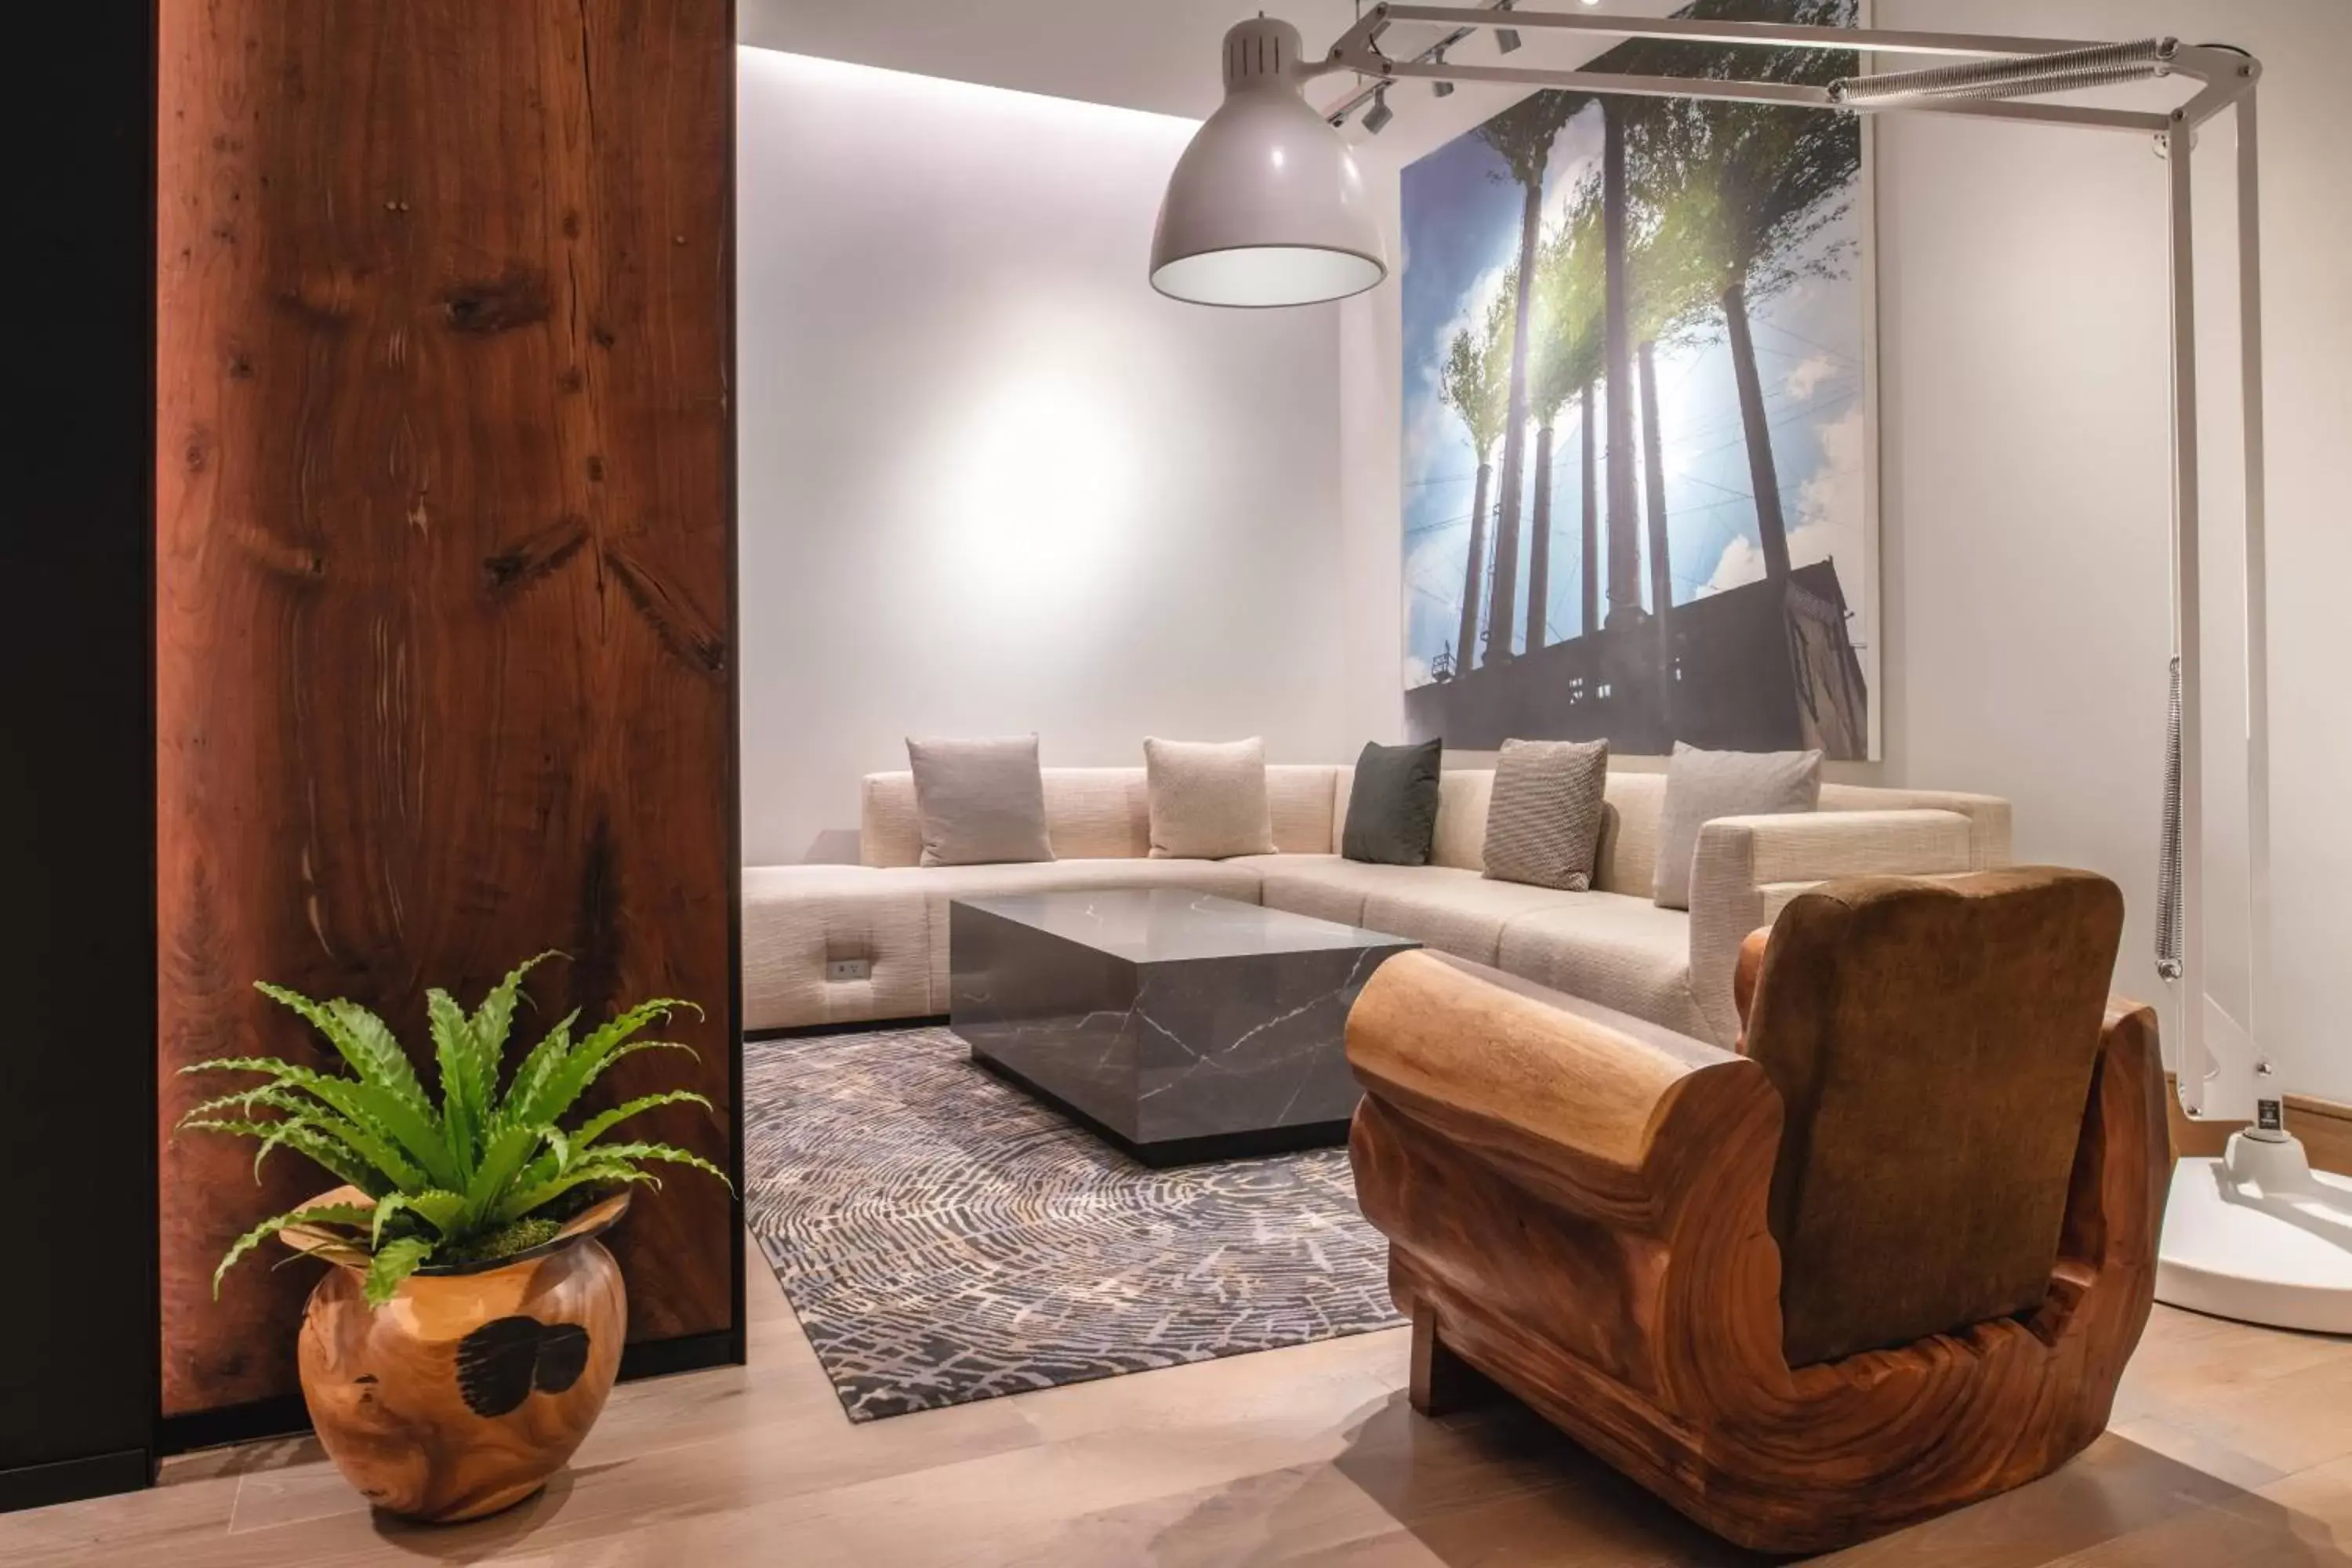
(1158, 55)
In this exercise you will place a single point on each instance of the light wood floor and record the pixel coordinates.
(2232, 1446)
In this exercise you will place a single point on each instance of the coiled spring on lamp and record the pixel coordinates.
(2023, 76)
(2168, 854)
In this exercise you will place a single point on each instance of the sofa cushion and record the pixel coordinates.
(1704, 785)
(1618, 950)
(1301, 798)
(1458, 913)
(1392, 805)
(980, 802)
(1460, 840)
(1543, 824)
(1208, 798)
(1627, 861)
(1330, 887)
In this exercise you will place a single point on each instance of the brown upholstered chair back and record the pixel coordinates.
(1932, 1043)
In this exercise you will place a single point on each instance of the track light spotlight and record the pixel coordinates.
(1377, 117)
(1506, 39)
(1440, 89)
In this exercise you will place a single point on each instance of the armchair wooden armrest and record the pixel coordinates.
(1593, 1110)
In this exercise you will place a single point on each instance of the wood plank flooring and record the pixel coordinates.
(2230, 1445)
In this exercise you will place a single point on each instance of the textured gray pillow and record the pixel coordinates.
(1704, 785)
(980, 802)
(1207, 799)
(1543, 822)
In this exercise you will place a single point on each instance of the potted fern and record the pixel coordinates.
(470, 1330)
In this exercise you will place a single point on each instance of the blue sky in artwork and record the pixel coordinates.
(1461, 229)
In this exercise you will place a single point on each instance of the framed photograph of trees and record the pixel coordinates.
(1639, 418)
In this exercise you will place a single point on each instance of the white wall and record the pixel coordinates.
(990, 481)
(2024, 391)
(2024, 368)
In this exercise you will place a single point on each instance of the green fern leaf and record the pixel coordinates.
(298, 1135)
(268, 1094)
(544, 1060)
(581, 1071)
(597, 1126)
(300, 1111)
(551, 1165)
(379, 1059)
(500, 1162)
(378, 1112)
(394, 1262)
(444, 1211)
(461, 1095)
(317, 1214)
(360, 1038)
(667, 1152)
(522, 1200)
(492, 1019)
(587, 1059)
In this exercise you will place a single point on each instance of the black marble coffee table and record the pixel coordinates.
(1179, 1026)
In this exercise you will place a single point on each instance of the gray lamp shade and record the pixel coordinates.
(1266, 205)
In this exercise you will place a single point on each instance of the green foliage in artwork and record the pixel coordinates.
(485, 1169)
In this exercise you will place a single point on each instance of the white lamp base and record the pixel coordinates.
(2261, 1236)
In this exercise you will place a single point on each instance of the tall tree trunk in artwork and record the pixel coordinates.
(1624, 513)
(1591, 514)
(1654, 474)
(1465, 644)
(1501, 612)
(1662, 575)
(1763, 476)
(1539, 547)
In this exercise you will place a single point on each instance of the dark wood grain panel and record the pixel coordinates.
(445, 546)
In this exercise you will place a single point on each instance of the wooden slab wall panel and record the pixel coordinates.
(445, 631)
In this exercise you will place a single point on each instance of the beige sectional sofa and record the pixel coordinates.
(1612, 945)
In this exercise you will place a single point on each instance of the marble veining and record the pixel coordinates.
(1166, 925)
(1166, 1018)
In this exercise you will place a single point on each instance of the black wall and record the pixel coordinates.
(78, 1312)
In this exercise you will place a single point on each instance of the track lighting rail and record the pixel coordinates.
(2008, 65)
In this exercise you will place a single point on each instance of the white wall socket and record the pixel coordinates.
(849, 969)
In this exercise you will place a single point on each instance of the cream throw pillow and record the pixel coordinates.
(1208, 798)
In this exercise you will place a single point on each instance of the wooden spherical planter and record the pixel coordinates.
(467, 1391)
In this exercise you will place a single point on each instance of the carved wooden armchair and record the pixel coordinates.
(1889, 1261)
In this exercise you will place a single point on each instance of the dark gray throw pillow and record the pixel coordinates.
(1543, 824)
(1392, 805)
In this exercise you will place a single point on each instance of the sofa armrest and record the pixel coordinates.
(1592, 1111)
(1747, 869)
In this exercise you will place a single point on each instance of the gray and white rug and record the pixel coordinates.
(945, 1238)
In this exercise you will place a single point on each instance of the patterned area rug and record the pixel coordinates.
(945, 1238)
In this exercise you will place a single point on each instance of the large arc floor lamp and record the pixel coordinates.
(1266, 207)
